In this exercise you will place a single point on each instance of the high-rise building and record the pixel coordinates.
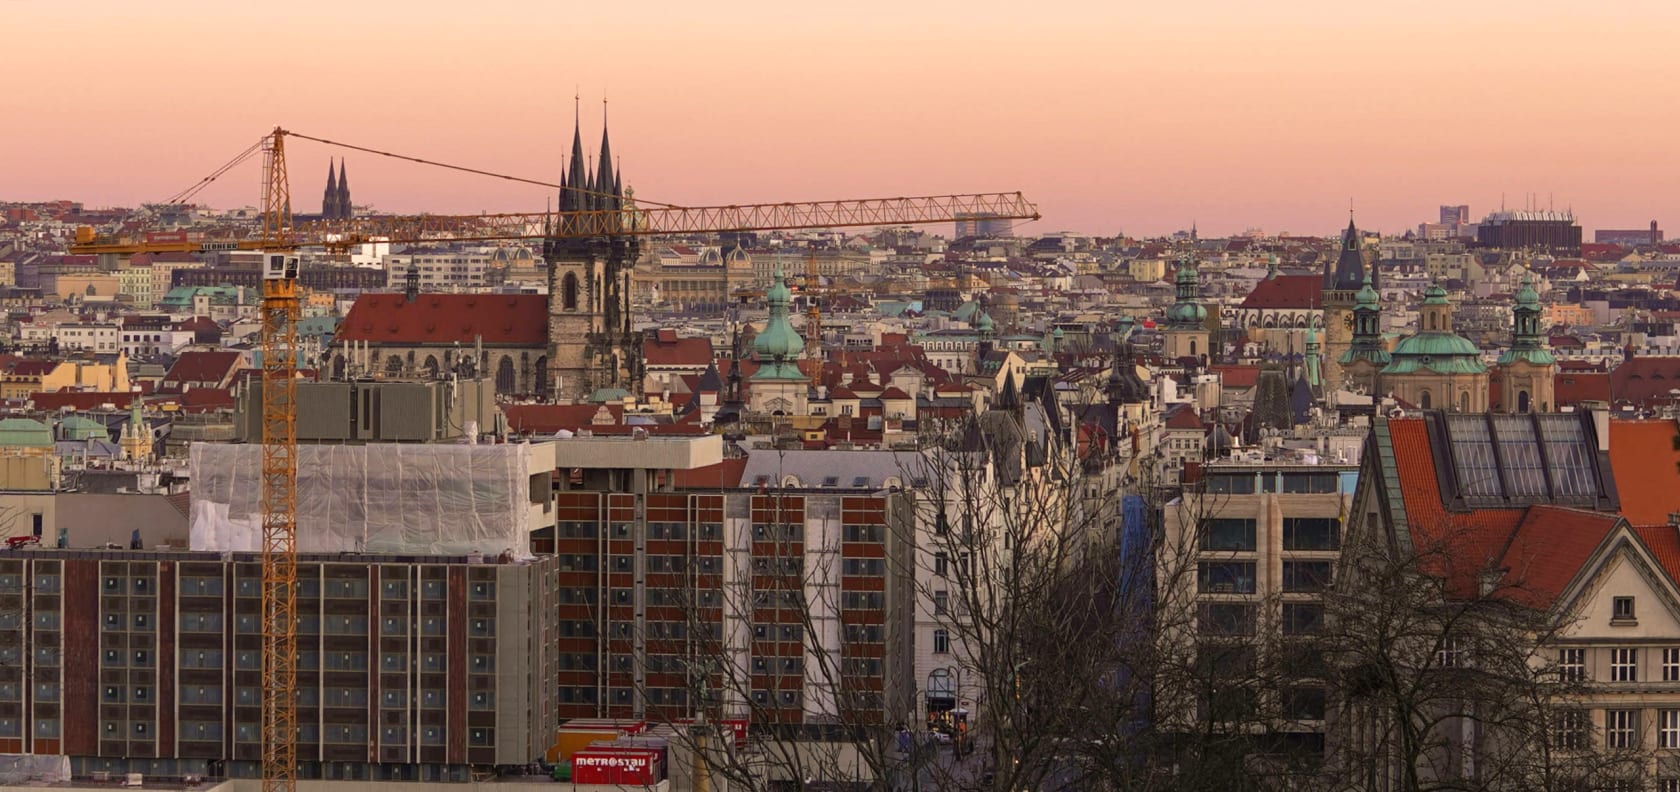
(410, 667)
(1455, 215)
(1544, 230)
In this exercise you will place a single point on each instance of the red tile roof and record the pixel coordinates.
(1574, 387)
(723, 475)
(202, 366)
(1664, 543)
(1287, 292)
(1645, 380)
(80, 400)
(1647, 469)
(551, 418)
(1457, 546)
(206, 400)
(1547, 551)
(500, 319)
(1235, 376)
(1184, 418)
(666, 349)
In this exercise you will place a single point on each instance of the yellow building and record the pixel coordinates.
(26, 377)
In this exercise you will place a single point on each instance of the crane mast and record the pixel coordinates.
(280, 311)
(279, 239)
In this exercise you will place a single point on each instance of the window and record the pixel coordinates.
(1621, 610)
(941, 642)
(1451, 654)
(1311, 483)
(1303, 703)
(1225, 577)
(1225, 618)
(1572, 665)
(1302, 618)
(1230, 484)
(1229, 534)
(1671, 664)
(1569, 730)
(1668, 728)
(1311, 533)
(1306, 575)
(939, 564)
(1624, 665)
(941, 602)
(1621, 728)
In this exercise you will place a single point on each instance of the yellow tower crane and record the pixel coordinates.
(279, 239)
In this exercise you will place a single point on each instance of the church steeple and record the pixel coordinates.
(606, 191)
(329, 197)
(343, 189)
(1349, 274)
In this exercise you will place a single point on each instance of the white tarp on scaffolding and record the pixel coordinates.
(385, 498)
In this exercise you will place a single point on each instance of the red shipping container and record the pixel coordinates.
(624, 766)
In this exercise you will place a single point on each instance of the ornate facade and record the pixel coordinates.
(1186, 333)
(1436, 368)
(1527, 368)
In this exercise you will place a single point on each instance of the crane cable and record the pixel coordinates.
(189, 192)
(465, 169)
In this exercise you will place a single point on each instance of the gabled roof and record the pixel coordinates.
(665, 348)
(199, 366)
(1184, 418)
(499, 319)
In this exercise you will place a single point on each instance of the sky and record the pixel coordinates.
(1114, 116)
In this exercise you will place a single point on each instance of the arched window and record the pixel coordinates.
(1464, 401)
(1522, 401)
(431, 366)
(1432, 321)
(1192, 347)
(505, 376)
(1423, 399)
(393, 366)
(568, 291)
(543, 377)
(338, 367)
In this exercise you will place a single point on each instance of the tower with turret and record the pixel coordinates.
(1186, 332)
(590, 344)
(335, 199)
(1527, 368)
(778, 386)
(1341, 291)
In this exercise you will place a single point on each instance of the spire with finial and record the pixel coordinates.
(574, 196)
(604, 181)
(329, 198)
(343, 190)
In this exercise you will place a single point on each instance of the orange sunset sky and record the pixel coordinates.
(1113, 116)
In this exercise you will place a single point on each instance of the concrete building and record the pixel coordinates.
(1262, 539)
(410, 667)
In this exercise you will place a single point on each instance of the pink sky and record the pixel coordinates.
(1113, 116)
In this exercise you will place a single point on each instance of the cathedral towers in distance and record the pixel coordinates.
(335, 200)
(591, 348)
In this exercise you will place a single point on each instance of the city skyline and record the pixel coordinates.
(1112, 119)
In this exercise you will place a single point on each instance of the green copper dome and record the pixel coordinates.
(1435, 295)
(1367, 295)
(984, 323)
(779, 345)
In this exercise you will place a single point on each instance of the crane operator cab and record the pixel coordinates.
(279, 266)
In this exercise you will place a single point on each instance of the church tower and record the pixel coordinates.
(1186, 333)
(590, 344)
(1341, 290)
(779, 387)
(1366, 355)
(344, 211)
(1527, 368)
(1436, 368)
(329, 197)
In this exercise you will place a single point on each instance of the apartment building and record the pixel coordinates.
(410, 667)
(773, 604)
(1252, 547)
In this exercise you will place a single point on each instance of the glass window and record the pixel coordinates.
(1303, 703)
(1572, 665)
(1668, 728)
(1525, 473)
(1569, 455)
(1229, 534)
(1569, 729)
(1231, 484)
(1312, 533)
(1624, 665)
(941, 642)
(1621, 728)
(1225, 577)
(1306, 575)
(1671, 664)
(1302, 618)
(1225, 618)
(941, 602)
(1310, 483)
(1472, 450)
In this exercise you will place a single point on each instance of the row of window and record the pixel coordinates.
(1623, 729)
(1238, 577)
(1624, 664)
(1299, 533)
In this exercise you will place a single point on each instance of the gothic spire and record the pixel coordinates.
(604, 174)
(573, 195)
(343, 189)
